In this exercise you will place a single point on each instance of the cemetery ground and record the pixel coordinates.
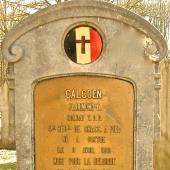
(7, 160)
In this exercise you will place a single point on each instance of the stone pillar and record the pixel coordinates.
(7, 131)
(4, 108)
(162, 148)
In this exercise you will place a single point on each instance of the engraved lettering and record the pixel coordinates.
(65, 139)
(60, 149)
(92, 129)
(96, 139)
(88, 150)
(74, 161)
(106, 150)
(59, 128)
(87, 161)
(83, 94)
(87, 126)
(74, 117)
(77, 140)
(115, 129)
(85, 107)
(105, 161)
(94, 118)
(58, 161)
(77, 128)
(73, 150)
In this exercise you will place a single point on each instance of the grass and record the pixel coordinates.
(8, 166)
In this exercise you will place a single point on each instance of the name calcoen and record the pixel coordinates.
(83, 94)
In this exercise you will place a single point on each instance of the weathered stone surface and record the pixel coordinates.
(162, 147)
(132, 51)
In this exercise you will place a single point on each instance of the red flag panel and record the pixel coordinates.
(96, 44)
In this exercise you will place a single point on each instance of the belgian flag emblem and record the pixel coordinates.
(83, 44)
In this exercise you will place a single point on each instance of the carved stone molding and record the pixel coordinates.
(14, 54)
(157, 119)
(151, 50)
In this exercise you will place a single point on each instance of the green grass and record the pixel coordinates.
(8, 166)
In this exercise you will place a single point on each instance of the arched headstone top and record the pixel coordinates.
(155, 45)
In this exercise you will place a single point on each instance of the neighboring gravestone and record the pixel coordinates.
(87, 82)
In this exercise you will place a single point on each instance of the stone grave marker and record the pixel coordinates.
(86, 88)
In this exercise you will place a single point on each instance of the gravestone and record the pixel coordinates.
(86, 82)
